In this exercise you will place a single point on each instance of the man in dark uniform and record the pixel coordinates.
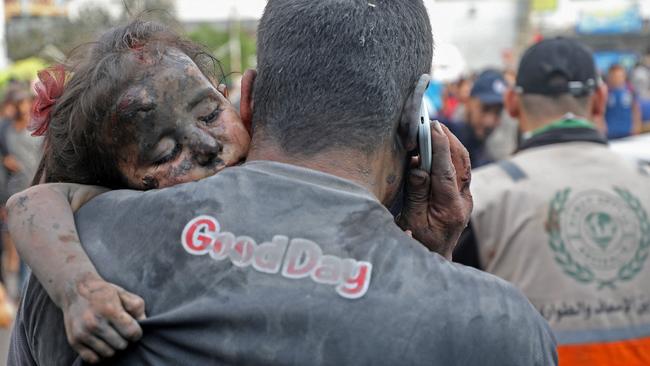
(293, 257)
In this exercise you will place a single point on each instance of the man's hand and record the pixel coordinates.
(100, 318)
(437, 207)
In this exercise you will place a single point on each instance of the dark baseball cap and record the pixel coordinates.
(489, 87)
(557, 66)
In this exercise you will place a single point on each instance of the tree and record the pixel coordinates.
(218, 43)
(28, 36)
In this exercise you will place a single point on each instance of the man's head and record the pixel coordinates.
(486, 103)
(616, 76)
(335, 74)
(339, 85)
(556, 77)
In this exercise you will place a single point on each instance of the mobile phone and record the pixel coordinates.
(424, 138)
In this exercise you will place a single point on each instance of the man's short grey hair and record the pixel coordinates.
(540, 106)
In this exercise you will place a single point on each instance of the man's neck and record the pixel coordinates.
(374, 172)
(529, 125)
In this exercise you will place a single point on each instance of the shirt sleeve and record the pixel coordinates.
(20, 353)
(39, 334)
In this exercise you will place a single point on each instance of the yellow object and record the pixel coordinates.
(544, 5)
(24, 70)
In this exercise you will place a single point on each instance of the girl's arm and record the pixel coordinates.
(99, 317)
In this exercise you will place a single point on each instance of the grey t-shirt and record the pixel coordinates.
(270, 263)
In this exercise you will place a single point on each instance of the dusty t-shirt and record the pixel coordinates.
(270, 263)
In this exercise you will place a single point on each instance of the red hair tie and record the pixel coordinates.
(48, 89)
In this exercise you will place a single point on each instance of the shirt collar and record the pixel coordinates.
(568, 129)
(308, 176)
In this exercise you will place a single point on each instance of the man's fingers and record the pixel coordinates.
(463, 167)
(414, 163)
(443, 173)
(133, 304)
(461, 161)
(416, 198)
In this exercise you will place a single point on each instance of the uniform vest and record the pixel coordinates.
(568, 225)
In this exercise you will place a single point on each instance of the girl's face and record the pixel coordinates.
(179, 127)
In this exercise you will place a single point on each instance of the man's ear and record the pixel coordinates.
(246, 100)
(410, 118)
(511, 103)
(599, 101)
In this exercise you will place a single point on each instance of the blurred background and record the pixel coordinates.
(470, 35)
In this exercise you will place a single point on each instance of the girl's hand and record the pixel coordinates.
(101, 318)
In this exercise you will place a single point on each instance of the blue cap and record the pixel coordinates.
(489, 87)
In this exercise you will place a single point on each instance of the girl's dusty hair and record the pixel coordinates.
(80, 144)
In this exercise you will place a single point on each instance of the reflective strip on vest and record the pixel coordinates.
(634, 352)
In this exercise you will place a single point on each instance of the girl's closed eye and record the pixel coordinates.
(167, 150)
(210, 118)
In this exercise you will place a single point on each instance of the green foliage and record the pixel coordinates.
(23, 70)
(53, 37)
(27, 37)
(217, 42)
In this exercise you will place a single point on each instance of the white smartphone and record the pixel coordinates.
(424, 138)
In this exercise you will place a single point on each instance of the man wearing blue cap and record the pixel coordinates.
(483, 115)
(565, 219)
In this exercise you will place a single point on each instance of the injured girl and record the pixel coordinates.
(141, 109)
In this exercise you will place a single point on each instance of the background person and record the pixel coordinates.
(565, 219)
(482, 115)
(640, 80)
(623, 114)
(20, 153)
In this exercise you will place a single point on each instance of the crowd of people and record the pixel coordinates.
(472, 106)
(162, 225)
(20, 153)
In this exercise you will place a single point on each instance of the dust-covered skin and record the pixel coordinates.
(179, 127)
(99, 317)
(170, 125)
